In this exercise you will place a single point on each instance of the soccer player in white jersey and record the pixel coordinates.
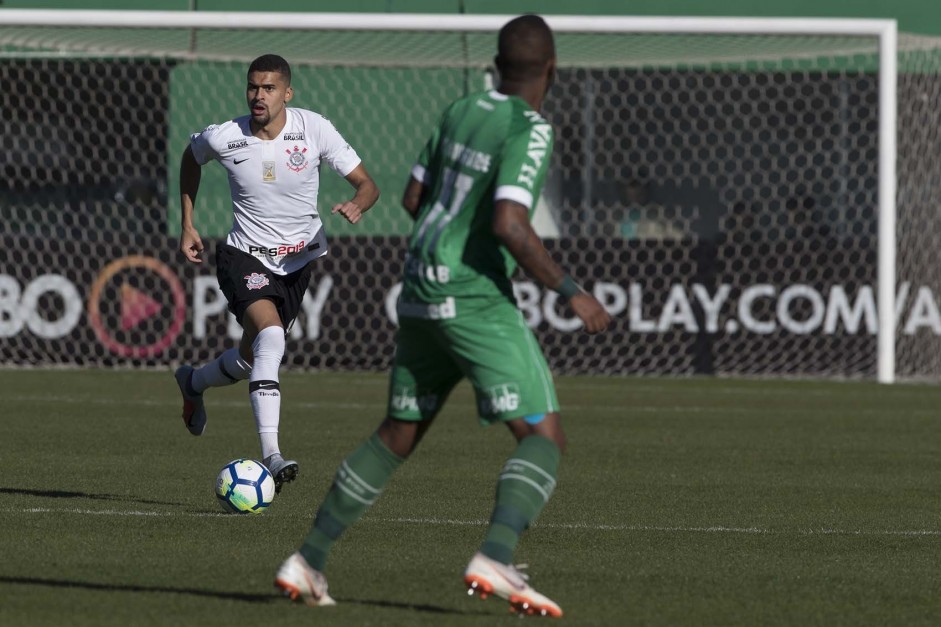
(272, 157)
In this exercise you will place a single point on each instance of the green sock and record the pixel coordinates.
(356, 486)
(525, 484)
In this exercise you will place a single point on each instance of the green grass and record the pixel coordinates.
(680, 502)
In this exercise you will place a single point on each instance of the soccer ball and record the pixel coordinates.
(245, 486)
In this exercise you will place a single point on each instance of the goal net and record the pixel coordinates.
(718, 191)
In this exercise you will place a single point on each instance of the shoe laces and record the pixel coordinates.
(518, 568)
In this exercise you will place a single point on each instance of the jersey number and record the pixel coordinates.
(454, 190)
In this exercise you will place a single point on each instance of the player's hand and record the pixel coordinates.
(349, 210)
(590, 311)
(191, 245)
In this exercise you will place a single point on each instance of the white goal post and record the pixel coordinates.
(22, 36)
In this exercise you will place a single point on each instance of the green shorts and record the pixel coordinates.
(493, 348)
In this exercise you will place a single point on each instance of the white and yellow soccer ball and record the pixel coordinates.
(245, 486)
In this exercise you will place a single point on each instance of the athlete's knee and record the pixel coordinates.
(250, 344)
(259, 316)
(400, 436)
(548, 425)
(245, 348)
(269, 342)
(552, 430)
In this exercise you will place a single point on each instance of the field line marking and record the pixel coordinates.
(174, 402)
(481, 523)
(379, 406)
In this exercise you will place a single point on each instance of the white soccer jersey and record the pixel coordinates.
(274, 184)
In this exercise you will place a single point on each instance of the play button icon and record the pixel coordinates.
(137, 307)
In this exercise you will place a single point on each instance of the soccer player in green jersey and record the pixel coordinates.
(472, 194)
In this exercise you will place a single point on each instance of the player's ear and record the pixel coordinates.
(550, 73)
(288, 93)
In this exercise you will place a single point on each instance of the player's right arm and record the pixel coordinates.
(191, 245)
(417, 185)
(411, 199)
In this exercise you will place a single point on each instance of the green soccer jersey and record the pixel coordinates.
(487, 147)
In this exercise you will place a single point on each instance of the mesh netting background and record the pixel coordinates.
(719, 193)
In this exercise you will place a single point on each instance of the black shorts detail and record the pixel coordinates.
(243, 280)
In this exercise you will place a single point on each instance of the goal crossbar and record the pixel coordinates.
(434, 22)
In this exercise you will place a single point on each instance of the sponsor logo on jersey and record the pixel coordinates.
(242, 143)
(267, 171)
(297, 159)
(276, 251)
(467, 157)
(434, 273)
(428, 311)
(500, 399)
(539, 137)
(293, 137)
(255, 281)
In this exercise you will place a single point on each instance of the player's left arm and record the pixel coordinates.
(418, 180)
(413, 195)
(524, 161)
(367, 193)
(512, 227)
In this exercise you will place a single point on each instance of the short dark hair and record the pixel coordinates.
(524, 46)
(271, 63)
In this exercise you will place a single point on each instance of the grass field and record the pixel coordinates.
(680, 502)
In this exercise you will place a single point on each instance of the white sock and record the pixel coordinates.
(269, 444)
(226, 369)
(264, 388)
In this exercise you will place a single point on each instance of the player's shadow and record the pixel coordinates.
(414, 607)
(112, 587)
(67, 494)
(244, 597)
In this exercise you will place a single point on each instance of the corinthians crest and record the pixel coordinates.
(297, 159)
(255, 281)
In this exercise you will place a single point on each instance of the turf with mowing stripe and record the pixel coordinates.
(680, 502)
